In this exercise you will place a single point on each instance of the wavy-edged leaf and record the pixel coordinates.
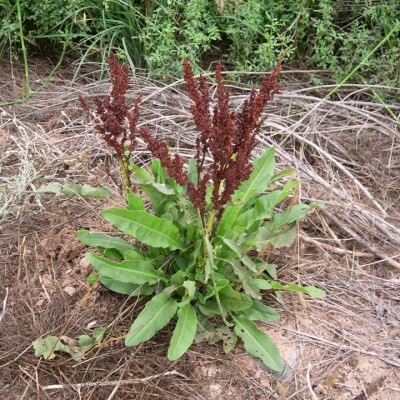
(128, 271)
(232, 300)
(145, 227)
(156, 314)
(258, 343)
(104, 241)
(184, 332)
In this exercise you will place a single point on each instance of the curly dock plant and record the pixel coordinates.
(199, 230)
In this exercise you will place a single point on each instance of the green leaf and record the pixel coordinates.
(158, 170)
(129, 289)
(156, 314)
(48, 345)
(73, 189)
(190, 287)
(104, 241)
(92, 278)
(228, 337)
(192, 171)
(263, 284)
(228, 220)
(238, 251)
(271, 270)
(315, 292)
(260, 312)
(264, 206)
(135, 203)
(310, 290)
(128, 271)
(210, 308)
(95, 193)
(98, 335)
(145, 227)
(233, 300)
(259, 180)
(247, 280)
(184, 332)
(163, 189)
(258, 343)
(142, 175)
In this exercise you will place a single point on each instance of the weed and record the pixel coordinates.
(192, 253)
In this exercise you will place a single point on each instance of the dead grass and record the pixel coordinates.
(347, 154)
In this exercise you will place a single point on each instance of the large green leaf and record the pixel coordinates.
(259, 180)
(129, 271)
(104, 241)
(258, 343)
(156, 314)
(184, 332)
(145, 227)
(232, 300)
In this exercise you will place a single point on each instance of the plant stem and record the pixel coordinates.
(21, 37)
(210, 221)
(211, 261)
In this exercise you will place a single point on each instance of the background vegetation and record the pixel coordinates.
(335, 35)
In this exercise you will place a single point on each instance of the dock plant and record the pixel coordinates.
(195, 233)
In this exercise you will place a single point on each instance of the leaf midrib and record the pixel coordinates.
(169, 239)
(256, 340)
(119, 267)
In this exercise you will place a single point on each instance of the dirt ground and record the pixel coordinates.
(343, 347)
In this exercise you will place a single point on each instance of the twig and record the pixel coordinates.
(113, 383)
(337, 250)
(373, 249)
(343, 346)
(314, 396)
(3, 311)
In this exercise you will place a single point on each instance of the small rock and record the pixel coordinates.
(215, 390)
(70, 290)
(90, 325)
(40, 302)
(84, 264)
(321, 390)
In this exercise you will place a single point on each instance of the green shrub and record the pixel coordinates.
(247, 35)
